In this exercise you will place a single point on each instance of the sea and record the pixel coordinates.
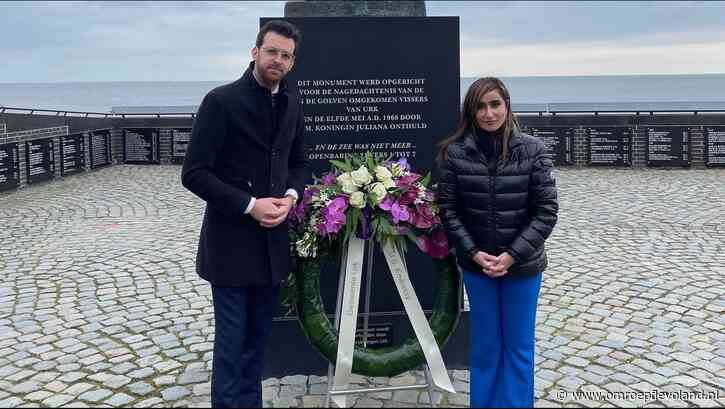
(554, 93)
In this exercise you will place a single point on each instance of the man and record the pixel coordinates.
(246, 159)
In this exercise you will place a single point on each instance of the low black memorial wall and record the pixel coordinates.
(72, 154)
(99, 148)
(141, 146)
(179, 143)
(715, 146)
(40, 160)
(558, 141)
(9, 166)
(609, 145)
(668, 146)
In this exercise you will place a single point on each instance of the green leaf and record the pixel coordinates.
(426, 180)
(401, 243)
(371, 162)
(354, 217)
(343, 166)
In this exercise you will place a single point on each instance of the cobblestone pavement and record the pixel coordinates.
(100, 304)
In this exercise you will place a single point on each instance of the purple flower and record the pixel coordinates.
(333, 216)
(386, 204)
(309, 194)
(408, 180)
(438, 244)
(338, 204)
(297, 214)
(403, 163)
(408, 197)
(366, 228)
(329, 179)
(423, 217)
(435, 246)
(399, 212)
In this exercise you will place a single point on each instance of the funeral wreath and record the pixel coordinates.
(372, 199)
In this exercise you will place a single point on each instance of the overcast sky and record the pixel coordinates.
(198, 41)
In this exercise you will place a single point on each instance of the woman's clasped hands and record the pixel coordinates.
(493, 266)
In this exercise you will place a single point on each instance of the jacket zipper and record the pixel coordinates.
(491, 212)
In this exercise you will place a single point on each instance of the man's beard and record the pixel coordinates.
(271, 77)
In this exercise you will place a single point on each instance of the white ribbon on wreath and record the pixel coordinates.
(348, 318)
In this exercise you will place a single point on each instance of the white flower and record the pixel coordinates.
(307, 245)
(382, 173)
(378, 192)
(389, 183)
(357, 199)
(346, 183)
(361, 177)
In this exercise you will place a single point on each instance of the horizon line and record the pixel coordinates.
(467, 76)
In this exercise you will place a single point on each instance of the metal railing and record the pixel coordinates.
(84, 114)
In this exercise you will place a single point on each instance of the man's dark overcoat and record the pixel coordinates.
(242, 147)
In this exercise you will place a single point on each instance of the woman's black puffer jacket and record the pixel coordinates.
(512, 208)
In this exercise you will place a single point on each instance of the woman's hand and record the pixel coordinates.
(484, 260)
(500, 265)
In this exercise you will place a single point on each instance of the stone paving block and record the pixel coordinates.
(193, 377)
(149, 403)
(25, 387)
(55, 401)
(119, 400)
(12, 402)
(96, 395)
(174, 393)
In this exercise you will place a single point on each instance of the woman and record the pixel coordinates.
(498, 204)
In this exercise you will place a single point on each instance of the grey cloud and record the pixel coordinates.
(549, 22)
(72, 41)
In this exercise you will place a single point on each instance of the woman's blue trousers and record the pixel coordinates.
(503, 318)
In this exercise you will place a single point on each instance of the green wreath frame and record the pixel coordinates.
(388, 361)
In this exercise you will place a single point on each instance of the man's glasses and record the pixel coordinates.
(274, 52)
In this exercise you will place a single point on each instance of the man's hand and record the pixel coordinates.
(271, 211)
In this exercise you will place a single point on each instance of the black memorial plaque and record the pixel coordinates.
(558, 143)
(179, 143)
(40, 159)
(72, 154)
(141, 145)
(359, 95)
(610, 146)
(378, 336)
(668, 146)
(9, 166)
(715, 146)
(377, 84)
(100, 148)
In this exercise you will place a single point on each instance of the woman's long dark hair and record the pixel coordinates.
(467, 121)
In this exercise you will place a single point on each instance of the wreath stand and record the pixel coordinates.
(370, 250)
